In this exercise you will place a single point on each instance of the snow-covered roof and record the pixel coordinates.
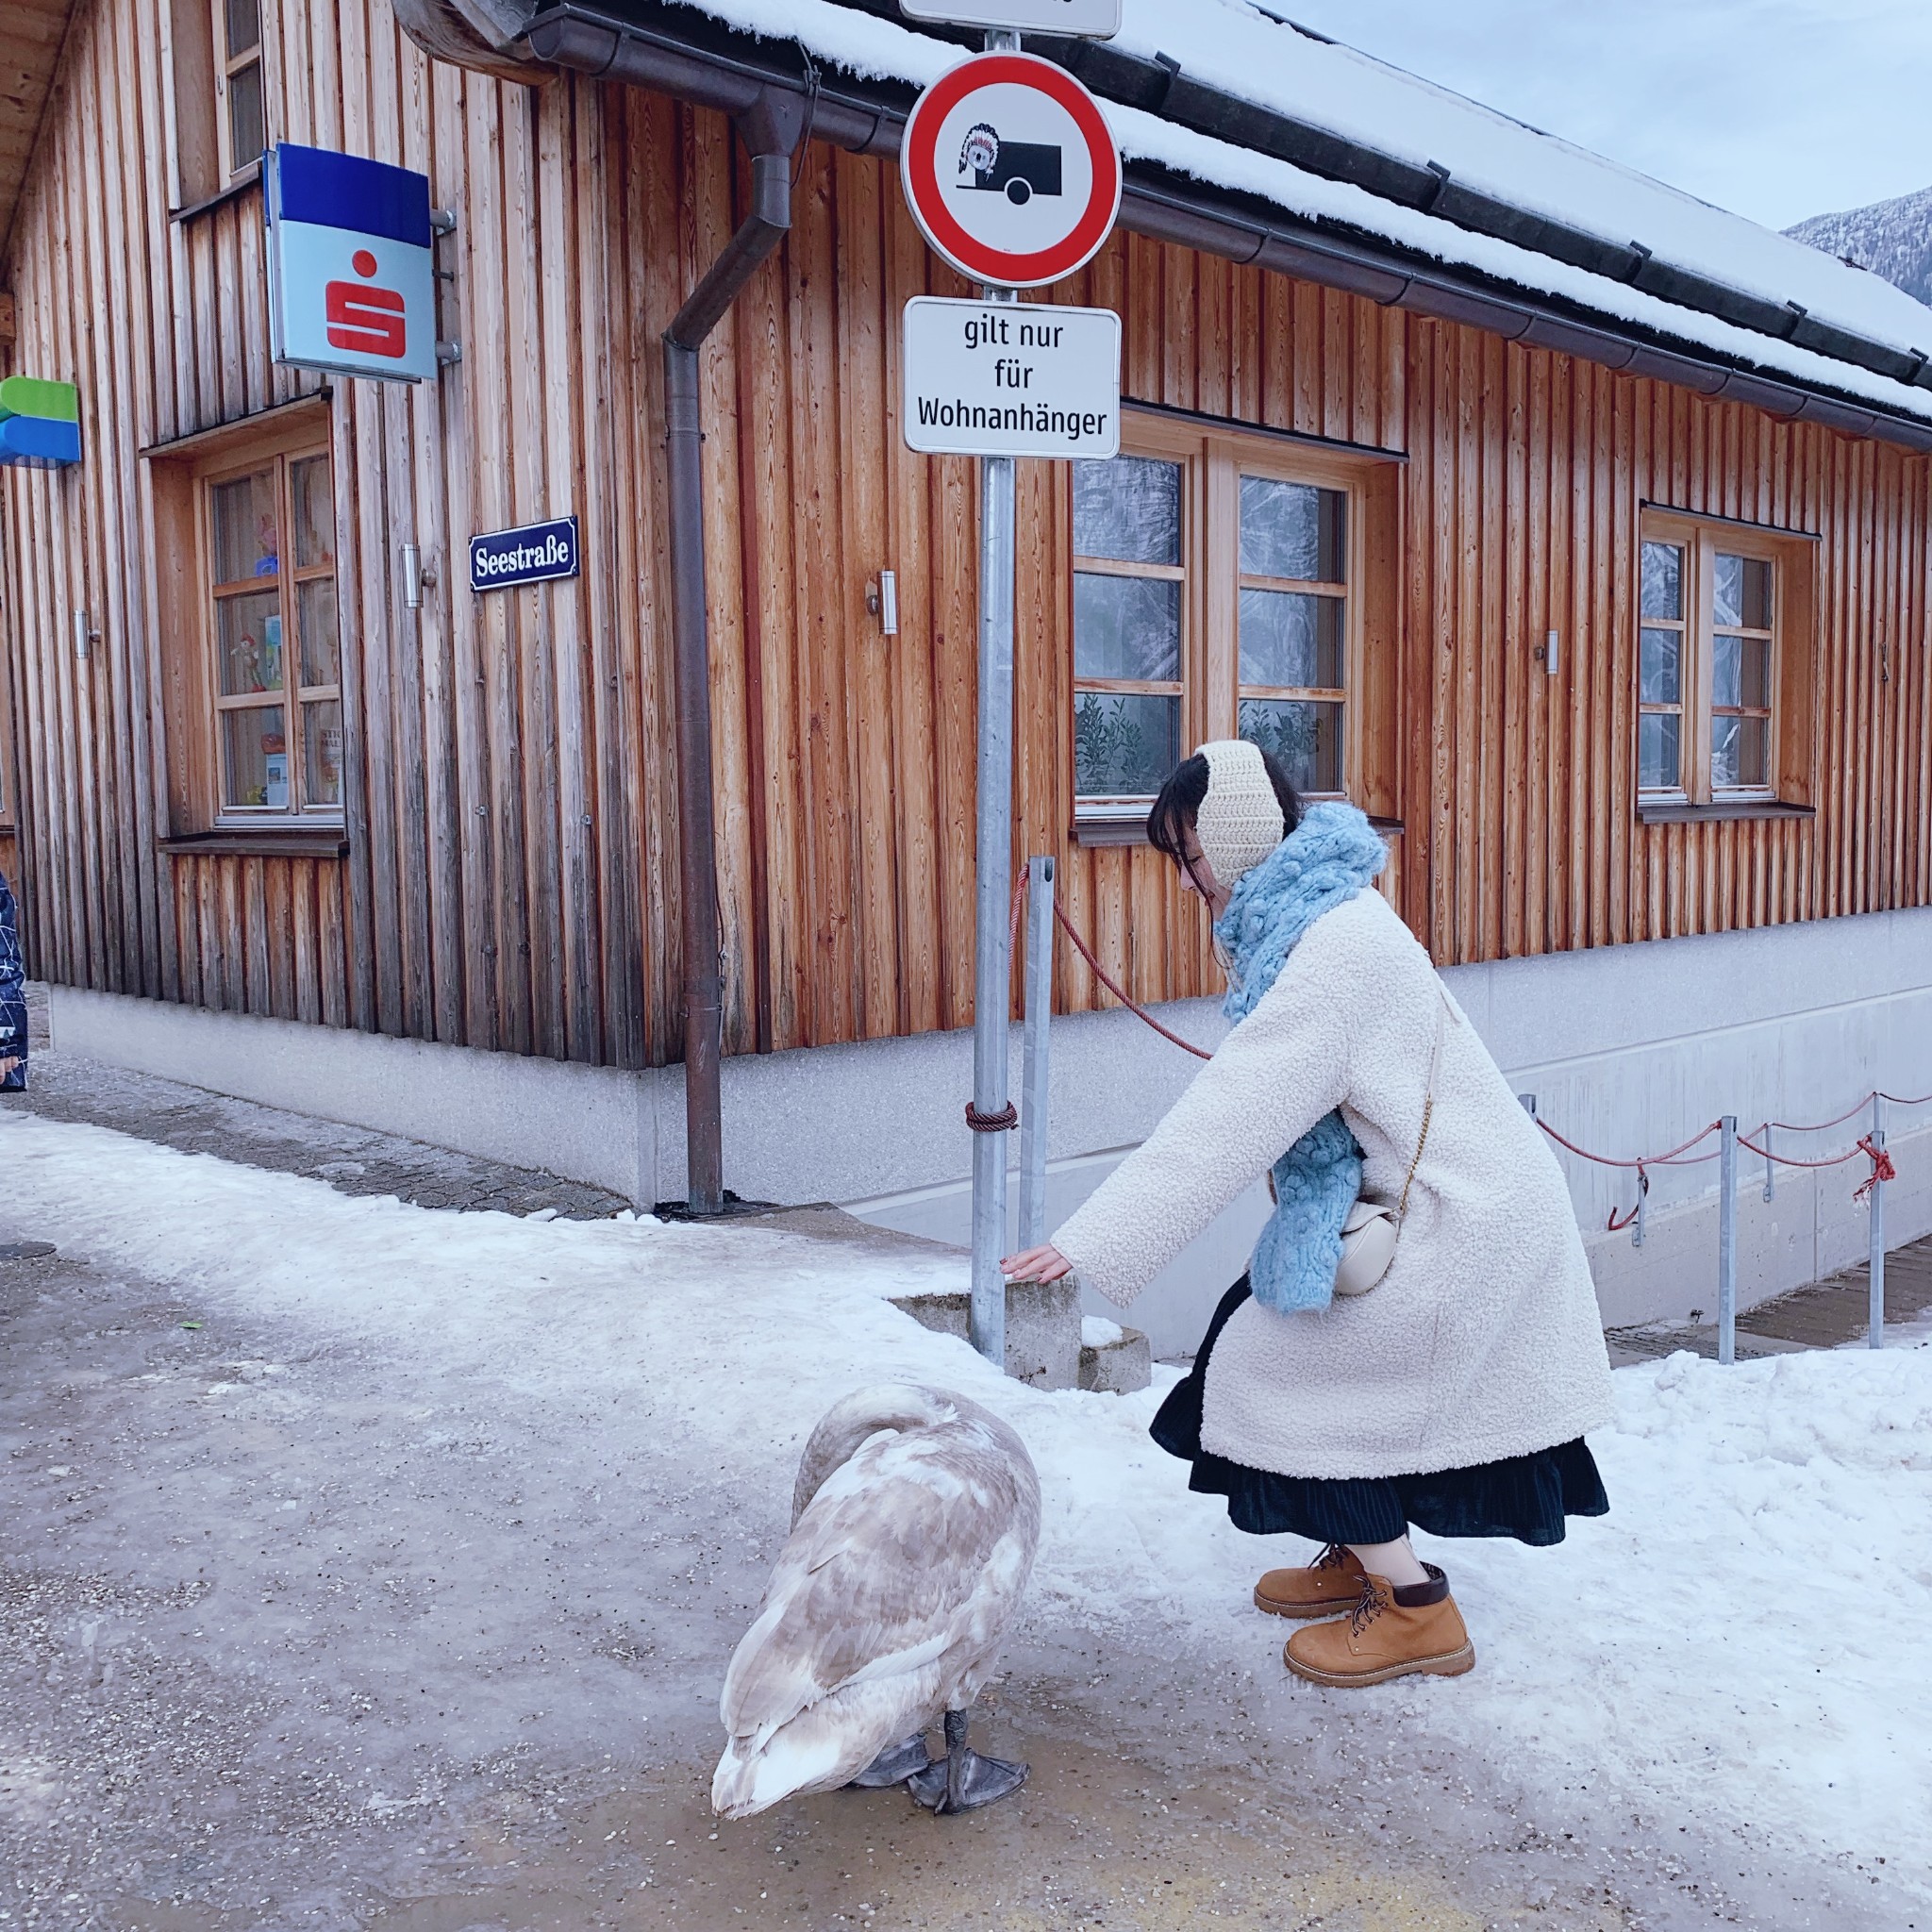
(1527, 202)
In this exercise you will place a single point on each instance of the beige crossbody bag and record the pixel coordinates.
(1367, 1236)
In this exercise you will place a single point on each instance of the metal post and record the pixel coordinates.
(1770, 1167)
(1875, 1314)
(1727, 1243)
(1033, 1077)
(991, 976)
(1527, 1103)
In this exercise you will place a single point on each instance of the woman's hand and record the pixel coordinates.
(1037, 1264)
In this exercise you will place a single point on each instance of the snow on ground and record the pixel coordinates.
(1739, 1643)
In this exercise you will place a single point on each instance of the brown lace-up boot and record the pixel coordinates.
(1390, 1632)
(1329, 1585)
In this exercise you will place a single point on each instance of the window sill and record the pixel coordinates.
(1102, 828)
(1112, 824)
(1668, 812)
(249, 177)
(270, 841)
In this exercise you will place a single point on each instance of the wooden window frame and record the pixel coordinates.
(1159, 441)
(294, 698)
(178, 475)
(1257, 457)
(1215, 455)
(227, 64)
(1792, 561)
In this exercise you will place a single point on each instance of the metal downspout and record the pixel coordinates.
(771, 129)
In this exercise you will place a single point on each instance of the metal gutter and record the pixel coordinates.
(772, 124)
(729, 78)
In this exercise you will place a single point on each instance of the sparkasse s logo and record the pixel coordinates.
(353, 279)
(371, 320)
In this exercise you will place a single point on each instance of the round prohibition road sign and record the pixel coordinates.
(1010, 170)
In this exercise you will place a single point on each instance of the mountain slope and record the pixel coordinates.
(1892, 239)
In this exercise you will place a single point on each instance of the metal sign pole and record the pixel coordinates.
(1727, 1242)
(993, 973)
(1874, 1284)
(1036, 1074)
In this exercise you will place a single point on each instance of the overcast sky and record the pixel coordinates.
(1777, 109)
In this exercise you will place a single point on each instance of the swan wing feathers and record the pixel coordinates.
(896, 1583)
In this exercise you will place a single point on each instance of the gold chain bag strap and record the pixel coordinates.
(1369, 1234)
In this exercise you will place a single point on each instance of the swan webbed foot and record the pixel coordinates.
(894, 1764)
(963, 1780)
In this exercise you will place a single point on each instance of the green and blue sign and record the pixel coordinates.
(40, 422)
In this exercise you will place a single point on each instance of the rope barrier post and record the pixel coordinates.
(1770, 1167)
(1875, 1313)
(1728, 1243)
(1033, 1079)
(992, 1112)
(1527, 1103)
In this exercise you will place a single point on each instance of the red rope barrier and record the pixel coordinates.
(1856, 1107)
(1837, 1159)
(1669, 1160)
(1100, 972)
(1882, 1169)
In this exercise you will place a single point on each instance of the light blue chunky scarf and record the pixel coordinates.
(1330, 857)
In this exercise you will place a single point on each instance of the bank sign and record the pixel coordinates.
(352, 281)
(531, 555)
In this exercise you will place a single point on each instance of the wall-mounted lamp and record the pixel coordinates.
(1547, 651)
(882, 600)
(85, 636)
(415, 574)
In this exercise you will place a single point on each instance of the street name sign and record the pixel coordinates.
(532, 554)
(1010, 170)
(1091, 20)
(1011, 379)
(352, 281)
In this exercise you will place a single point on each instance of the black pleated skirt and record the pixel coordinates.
(1524, 1496)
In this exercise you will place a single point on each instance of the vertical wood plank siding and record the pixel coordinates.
(511, 877)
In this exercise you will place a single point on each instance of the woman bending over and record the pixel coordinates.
(1453, 1393)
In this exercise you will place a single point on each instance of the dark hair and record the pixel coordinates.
(1179, 805)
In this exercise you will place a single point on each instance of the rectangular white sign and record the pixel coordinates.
(1011, 379)
(352, 281)
(1094, 20)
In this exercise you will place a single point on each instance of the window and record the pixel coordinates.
(1294, 627)
(275, 655)
(1719, 616)
(1218, 590)
(217, 90)
(1129, 586)
(238, 54)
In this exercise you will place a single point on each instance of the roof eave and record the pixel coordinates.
(678, 51)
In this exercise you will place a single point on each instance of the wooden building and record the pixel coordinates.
(1591, 559)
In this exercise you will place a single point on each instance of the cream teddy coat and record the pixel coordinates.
(1483, 1339)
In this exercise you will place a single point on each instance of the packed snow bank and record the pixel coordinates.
(1737, 1643)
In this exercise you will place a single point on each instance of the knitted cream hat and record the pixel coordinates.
(1239, 822)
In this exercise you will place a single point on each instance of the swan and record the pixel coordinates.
(914, 1521)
